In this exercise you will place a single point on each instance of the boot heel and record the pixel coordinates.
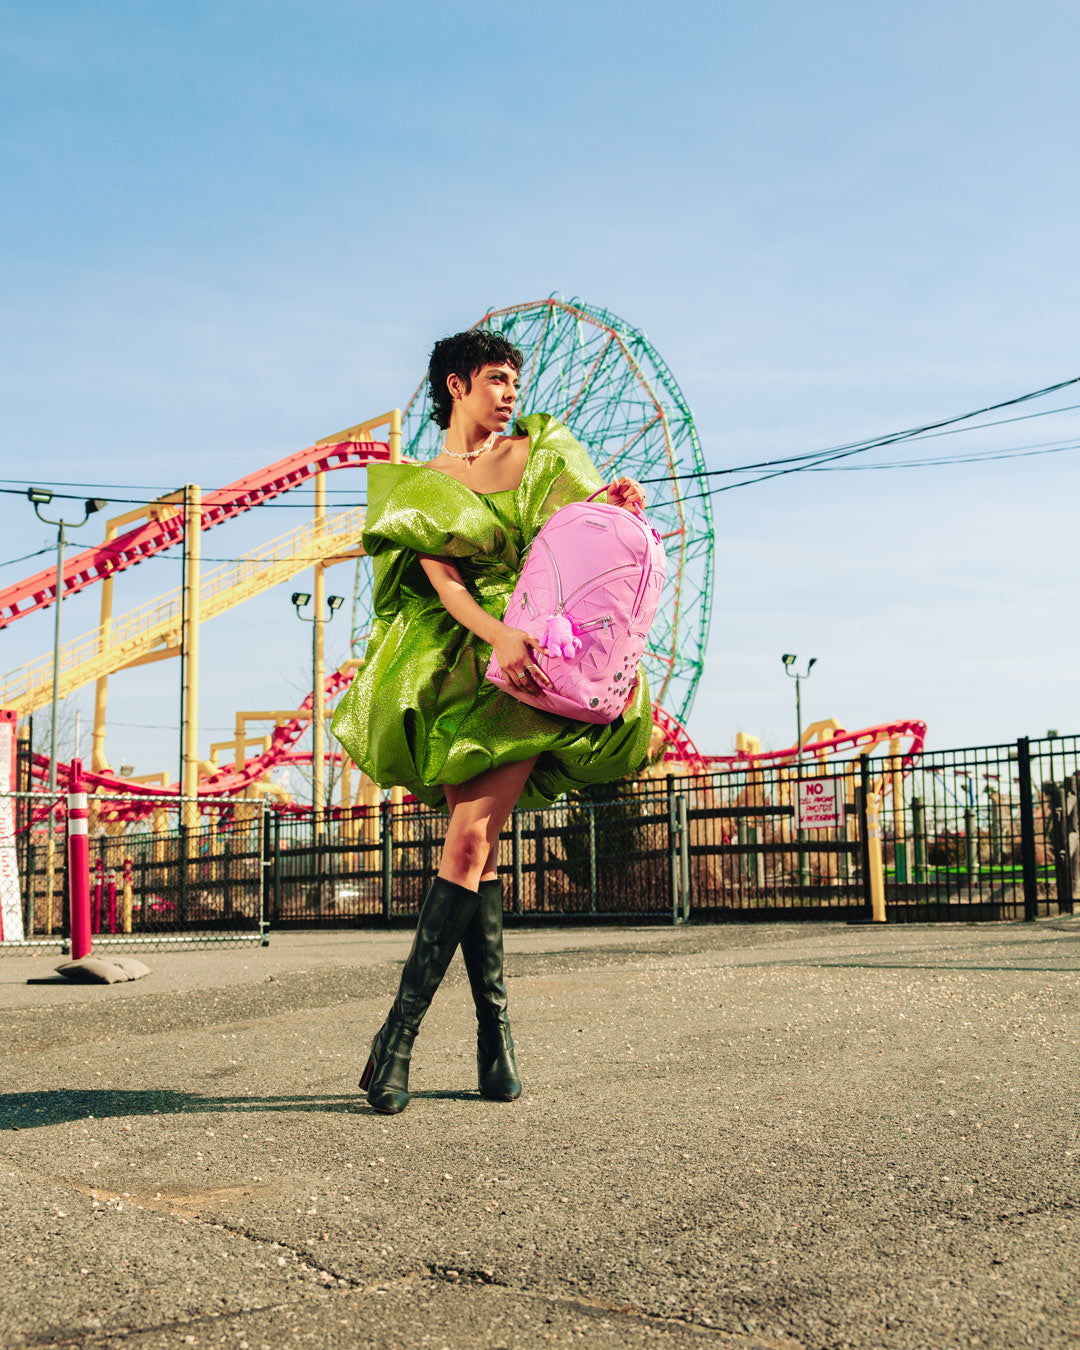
(369, 1069)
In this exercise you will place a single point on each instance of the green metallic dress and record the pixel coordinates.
(420, 712)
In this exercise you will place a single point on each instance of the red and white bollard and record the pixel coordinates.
(78, 848)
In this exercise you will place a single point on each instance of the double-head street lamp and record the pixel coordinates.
(302, 598)
(42, 497)
(789, 669)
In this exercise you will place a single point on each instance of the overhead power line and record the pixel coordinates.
(978, 457)
(817, 458)
(778, 467)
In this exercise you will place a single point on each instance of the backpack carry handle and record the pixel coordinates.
(637, 509)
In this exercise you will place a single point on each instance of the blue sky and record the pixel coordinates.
(231, 228)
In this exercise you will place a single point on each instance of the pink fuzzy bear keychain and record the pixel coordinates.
(560, 638)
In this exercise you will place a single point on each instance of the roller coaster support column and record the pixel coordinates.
(873, 878)
(394, 439)
(98, 762)
(318, 683)
(899, 823)
(192, 594)
(873, 848)
(78, 851)
(165, 508)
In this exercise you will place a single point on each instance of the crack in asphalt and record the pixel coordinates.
(334, 1280)
(101, 1334)
(630, 1312)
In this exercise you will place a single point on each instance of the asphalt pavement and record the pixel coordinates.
(739, 1136)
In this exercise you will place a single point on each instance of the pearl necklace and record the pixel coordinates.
(470, 455)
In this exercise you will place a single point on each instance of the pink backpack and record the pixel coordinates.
(589, 591)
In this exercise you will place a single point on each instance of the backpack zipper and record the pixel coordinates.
(622, 567)
(561, 605)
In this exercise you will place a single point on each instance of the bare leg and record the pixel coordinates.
(478, 811)
(482, 941)
(491, 867)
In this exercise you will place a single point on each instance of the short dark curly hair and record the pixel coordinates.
(464, 354)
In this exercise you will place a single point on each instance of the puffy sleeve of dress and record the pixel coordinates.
(420, 712)
(413, 510)
(559, 472)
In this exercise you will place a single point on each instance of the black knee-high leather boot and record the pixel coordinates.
(482, 948)
(446, 912)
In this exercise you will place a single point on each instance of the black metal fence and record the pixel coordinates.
(989, 832)
(609, 859)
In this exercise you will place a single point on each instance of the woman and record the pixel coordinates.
(447, 540)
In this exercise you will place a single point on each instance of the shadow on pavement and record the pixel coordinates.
(30, 1110)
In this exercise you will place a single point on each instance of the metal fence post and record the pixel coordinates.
(276, 819)
(673, 848)
(592, 858)
(182, 846)
(918, 839)
(1027, 829)
(684, 854)
(264, 874)
(540, 875)
(515, 855)
(387, 827)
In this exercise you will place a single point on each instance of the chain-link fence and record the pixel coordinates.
(163, 870)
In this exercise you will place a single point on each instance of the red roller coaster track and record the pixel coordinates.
(228, 781)
(681, 749)
(143, 541)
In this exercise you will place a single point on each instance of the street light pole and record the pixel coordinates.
(40, 497)
(790, 670)
(318, 791)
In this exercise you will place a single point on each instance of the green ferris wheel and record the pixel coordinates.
(603, 379)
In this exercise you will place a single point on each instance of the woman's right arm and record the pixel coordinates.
(513, 647)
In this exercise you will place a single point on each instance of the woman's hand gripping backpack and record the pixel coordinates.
(588, 592)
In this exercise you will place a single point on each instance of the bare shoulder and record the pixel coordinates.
(498, 468)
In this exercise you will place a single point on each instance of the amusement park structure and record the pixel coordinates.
(169, 625)
(584, 365)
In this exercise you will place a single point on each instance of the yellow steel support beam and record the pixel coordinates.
(136, 635)
(165, 653)
(360, 430)
(163, 509)
(130, 640)
(217, 747)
